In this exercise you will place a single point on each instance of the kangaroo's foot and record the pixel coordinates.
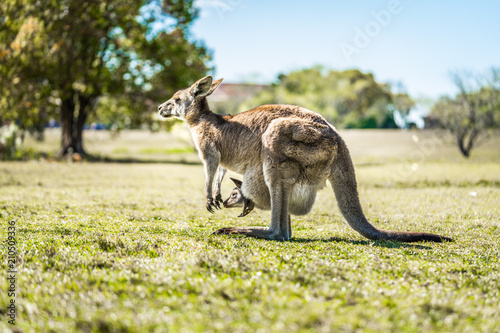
(248, 206)
(257, 232)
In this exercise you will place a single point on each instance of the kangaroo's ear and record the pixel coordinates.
(237, 182)
(201, 87)
(214, 86)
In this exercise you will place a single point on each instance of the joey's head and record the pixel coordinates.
(236, 198)
(185, 101)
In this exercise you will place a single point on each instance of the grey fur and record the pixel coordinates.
(285, 154)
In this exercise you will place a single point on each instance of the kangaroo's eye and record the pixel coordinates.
(177, 100)
(233, 195)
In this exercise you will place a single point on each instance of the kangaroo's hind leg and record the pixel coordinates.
(289, 227)
(281, 172)
(279, 178)
(280, 228)
(280, 219)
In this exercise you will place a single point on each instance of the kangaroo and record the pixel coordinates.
(285, 154)
(237, 199)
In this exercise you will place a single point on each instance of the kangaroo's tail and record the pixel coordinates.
(343, 180)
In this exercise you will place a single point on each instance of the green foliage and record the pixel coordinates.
(403, 103)
(59, 57)
(10, 142)
(348, 99)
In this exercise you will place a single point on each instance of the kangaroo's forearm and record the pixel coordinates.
(218, 184)
(211, 163)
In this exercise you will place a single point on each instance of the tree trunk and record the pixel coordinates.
(39, 127)
(67, 118)
(463, 149)
(80, 122)
(72, 124)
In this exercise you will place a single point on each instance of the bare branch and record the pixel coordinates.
(474, 112)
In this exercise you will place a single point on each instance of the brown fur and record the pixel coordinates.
(285, 153)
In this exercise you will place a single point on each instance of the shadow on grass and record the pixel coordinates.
(131, 160)
(383, 243)
(77, 158)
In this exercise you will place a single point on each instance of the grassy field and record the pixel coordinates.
(127, 247)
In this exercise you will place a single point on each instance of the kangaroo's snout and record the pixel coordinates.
(164, 110)
(228, 204)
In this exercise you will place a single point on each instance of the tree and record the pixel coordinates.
(474, 114)
(21, 100)
(59, 57)
(402, 103)
(346, 98)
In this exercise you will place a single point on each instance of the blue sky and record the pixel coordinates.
(416, 42)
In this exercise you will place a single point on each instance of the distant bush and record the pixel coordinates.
(11, 144)
(348, 99)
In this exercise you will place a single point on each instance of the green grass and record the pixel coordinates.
(124, 247)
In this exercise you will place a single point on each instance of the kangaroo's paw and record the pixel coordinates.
(257, 232)
(244, 213)
(218, 200)
(248, 206)
(211, 204)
